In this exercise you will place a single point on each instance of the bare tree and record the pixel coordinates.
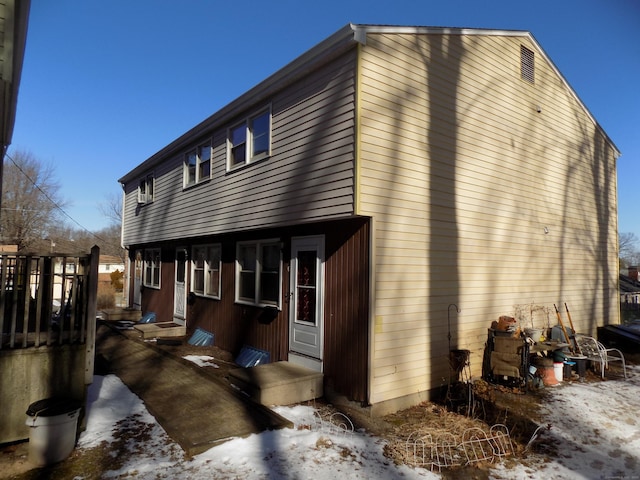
(30, 200)
(109, 241)
(112, 208)
(628, 249)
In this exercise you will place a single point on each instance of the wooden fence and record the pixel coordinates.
(45, 299)
(47, 327)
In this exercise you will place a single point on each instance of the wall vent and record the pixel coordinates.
(527, 65)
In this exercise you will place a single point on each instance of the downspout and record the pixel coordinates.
(127, 268)
(360, 35)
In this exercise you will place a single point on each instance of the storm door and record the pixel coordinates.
(180, 287)
(307, 300)
(137, 280)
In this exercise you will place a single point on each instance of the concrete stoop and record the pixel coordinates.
(279, 383)
(127, 314)
(163, 329)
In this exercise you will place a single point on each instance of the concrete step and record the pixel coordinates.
(197, 409)
(163, 329)
(279, 383)
(129, 314)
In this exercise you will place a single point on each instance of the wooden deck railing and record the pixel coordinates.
(47, 299)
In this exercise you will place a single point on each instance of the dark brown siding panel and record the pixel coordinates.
(237, 325)
(160, 301)
(346, 303)
(347, 310)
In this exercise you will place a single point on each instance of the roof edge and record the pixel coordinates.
(322, 52)
(340, 41)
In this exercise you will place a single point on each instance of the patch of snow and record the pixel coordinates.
(202, 360)
(594, 426)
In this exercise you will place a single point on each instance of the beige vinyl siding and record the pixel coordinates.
(308, 177)
(462, 175)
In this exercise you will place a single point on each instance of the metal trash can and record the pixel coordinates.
(53, 425)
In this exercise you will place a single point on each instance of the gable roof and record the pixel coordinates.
(628, 284)
(342, 40)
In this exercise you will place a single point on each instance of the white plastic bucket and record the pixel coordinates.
(558, 370)
(52, 435)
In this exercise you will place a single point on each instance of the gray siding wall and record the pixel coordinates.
(309, 176)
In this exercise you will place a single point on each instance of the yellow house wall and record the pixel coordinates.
(486, 192)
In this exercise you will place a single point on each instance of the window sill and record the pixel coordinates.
(242, 166)
(194, 185)
(207, 297)
(258, 305)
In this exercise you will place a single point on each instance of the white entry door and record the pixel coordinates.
(180, 287)
(137, 280)
(307, 299)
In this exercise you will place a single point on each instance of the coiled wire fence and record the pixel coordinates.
(445, 450)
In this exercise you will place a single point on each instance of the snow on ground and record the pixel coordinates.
(595, 426)
(596, 429)
(309, 450)
(202, 360)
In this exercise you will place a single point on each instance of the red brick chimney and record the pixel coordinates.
(633, 273)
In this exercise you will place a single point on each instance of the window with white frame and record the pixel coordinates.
(152, 268)
(259, 273)
(145, 189)
(249, 140)
(197, 164)
(205, 272)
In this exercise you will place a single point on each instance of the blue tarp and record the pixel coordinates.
(149, 317)
(250, 357)
(201, 338)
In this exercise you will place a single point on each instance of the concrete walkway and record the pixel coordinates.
(196, 409)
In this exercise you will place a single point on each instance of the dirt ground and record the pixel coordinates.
(489, 404)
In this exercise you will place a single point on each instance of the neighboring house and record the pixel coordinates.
(630, 288)
(14, 20)
(335, 214)
(108, 265)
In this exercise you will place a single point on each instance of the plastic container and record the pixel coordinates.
(581, 366)
(534, 334)
(568, 369)
(558, 370)
(53, 426)
(547, 374)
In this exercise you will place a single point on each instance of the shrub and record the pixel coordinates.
(106, 296)
(117, 280)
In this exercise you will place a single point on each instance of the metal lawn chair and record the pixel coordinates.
(597, 353)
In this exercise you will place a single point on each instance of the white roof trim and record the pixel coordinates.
(361, 31)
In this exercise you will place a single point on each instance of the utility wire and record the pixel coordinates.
(53, 202)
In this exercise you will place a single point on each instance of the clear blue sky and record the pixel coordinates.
(105, 85)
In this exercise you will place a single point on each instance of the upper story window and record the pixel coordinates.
(259, 273)
(527, 64)
(197, 164)
(145, 189)
(151, 277)
(249, 140)
(205, 274)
